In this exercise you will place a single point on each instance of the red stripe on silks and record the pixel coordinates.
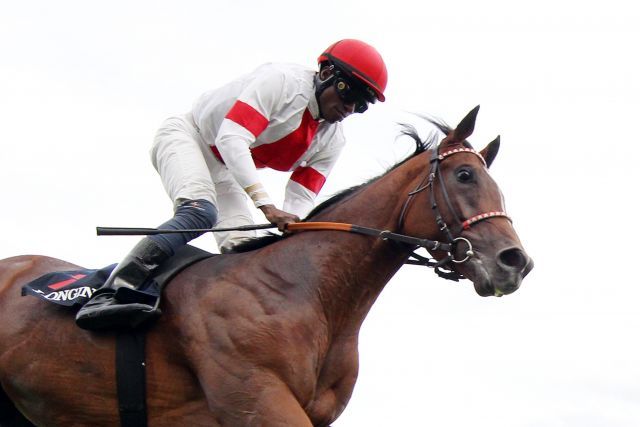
(216, 153)
(64, 283)
(309, 178)
(247, 117)
(282, 154)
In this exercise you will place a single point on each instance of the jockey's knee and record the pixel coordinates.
(190, 214)
(199, 212)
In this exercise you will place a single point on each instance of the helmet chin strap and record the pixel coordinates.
(322, 85)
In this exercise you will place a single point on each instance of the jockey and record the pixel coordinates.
(281, 116)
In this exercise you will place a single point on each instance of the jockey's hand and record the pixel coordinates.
(278, 217)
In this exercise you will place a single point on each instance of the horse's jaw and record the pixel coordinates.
(478, 274)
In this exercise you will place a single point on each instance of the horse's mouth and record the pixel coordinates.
(491, 283)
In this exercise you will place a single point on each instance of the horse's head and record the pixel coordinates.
(470, 213)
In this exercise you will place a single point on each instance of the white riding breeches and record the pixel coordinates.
(189, 170)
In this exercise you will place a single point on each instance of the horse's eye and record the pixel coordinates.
(464, 175)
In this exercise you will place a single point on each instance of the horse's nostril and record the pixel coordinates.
(513, 258)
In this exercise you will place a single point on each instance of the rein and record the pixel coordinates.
(416, 242)
(433, 245)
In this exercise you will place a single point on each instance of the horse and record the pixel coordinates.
(268, 336)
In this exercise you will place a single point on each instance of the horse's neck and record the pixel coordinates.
(361, 266)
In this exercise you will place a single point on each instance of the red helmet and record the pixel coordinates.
(359, 60)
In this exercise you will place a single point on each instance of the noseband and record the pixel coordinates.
(443, 267)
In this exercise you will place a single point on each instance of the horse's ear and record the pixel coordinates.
(491, 151)
(466, 125)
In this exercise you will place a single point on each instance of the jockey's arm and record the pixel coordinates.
(306, 181)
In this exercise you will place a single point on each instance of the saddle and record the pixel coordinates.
(74, 288)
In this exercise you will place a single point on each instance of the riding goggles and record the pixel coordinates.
(354, 93)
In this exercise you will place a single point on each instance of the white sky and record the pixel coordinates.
(84, 86)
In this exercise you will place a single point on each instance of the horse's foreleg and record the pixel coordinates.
(277, 407)
(259, 401)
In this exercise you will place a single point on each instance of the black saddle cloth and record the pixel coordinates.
(74, 288)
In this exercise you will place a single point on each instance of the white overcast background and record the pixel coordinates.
(84, 86)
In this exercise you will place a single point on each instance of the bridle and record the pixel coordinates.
(445, 266)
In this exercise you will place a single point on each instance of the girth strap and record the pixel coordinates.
(131, 378)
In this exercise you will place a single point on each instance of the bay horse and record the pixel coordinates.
(269, 336)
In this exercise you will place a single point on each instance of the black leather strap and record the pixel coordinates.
(131, 378)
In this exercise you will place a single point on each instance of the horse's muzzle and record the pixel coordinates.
(499, 275)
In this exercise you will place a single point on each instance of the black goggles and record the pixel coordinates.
(356, 94)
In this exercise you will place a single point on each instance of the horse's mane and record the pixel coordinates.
(422, 145)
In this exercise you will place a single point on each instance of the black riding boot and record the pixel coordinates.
(116, 304)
